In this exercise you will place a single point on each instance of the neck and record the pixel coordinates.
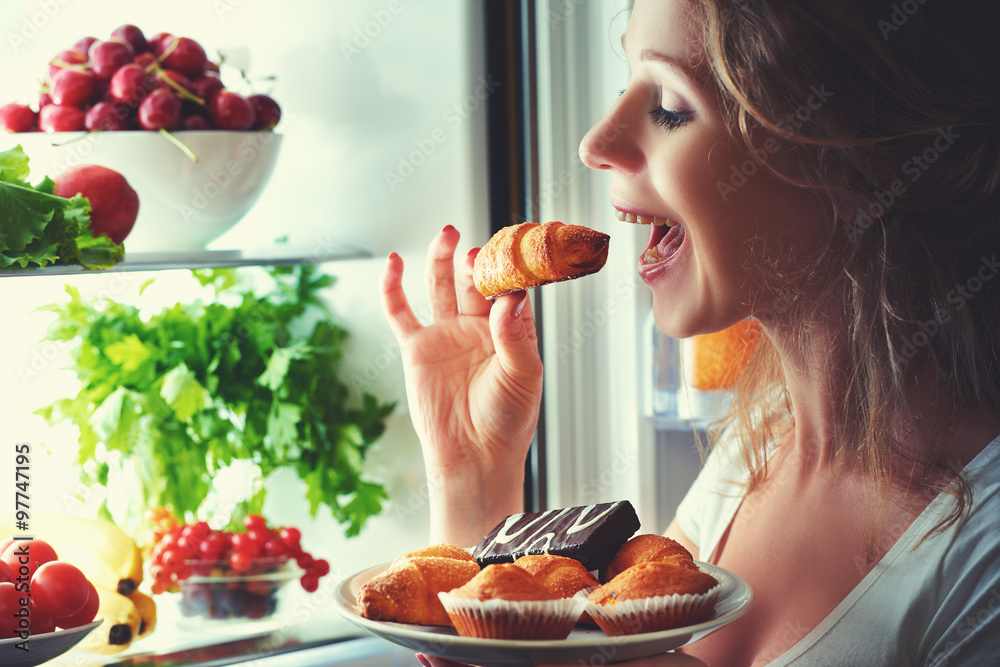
(817, 370)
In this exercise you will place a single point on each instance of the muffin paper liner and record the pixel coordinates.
(663, 612)
(510, 619)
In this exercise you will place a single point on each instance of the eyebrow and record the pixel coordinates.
(676, 64)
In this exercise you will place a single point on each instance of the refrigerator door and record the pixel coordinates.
(595, 442)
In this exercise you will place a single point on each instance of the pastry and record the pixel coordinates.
(591, 534)
(563, 577)
(505, 601)
(653, 596)
(533, 254)
(440, 550)
(407, 591)
(646, 548)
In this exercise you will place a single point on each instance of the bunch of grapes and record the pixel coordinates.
(187, 549)
(129, 82)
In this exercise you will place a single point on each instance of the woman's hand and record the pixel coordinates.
(662, 660)
(473, 384)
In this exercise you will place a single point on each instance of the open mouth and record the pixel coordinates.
(665, 237)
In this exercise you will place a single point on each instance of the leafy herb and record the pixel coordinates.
(195, 387)
(38, 228)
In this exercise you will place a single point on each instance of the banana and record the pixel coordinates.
(146, 607)
(105, 553)
(121, 625)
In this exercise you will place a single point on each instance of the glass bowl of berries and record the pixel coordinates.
(232, 577)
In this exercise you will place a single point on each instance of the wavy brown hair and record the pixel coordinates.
(892, 109)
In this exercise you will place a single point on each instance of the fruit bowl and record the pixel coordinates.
(183, 204)
(214, 593)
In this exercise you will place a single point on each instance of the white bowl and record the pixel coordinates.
(183, 205)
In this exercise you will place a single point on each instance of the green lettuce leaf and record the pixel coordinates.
(38, 228)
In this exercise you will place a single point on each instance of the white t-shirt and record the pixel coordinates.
(935, 605)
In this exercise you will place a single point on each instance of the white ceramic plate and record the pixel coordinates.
(42, 647)
(583, 645)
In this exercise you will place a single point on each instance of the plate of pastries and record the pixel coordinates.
(567, 585)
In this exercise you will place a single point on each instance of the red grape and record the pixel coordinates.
(72, 86)
(291, 537)
(232, 111)
(17, 118)
(267, 110)
(107, 57)
(132, 35)
(107, 116)
(130, 84)
(60, 118)
(240, 562)
(161, 109)
(184, 55)
(254, 522)
(310, 582)
(64, 59)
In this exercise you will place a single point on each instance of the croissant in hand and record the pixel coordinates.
(533, 254)
(407, 591)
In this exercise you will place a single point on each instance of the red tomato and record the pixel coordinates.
(60, 589)
(5, 573)
(27, 554)
(41, 620)
(6, 542)
(10, 603)
(86, 614)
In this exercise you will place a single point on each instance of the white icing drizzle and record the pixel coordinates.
(538, 539)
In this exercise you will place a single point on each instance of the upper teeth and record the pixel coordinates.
(644, 219)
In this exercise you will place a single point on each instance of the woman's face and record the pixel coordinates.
(672, 158)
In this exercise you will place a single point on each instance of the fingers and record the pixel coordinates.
(441, 274)
(513, 328)
(470, 301)
(397, 309)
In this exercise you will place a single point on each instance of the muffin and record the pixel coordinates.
(562, 576)
(647, 548)
(653, 596)
(505, 601)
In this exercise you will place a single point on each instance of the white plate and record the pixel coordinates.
(583, 645)
(42, 647)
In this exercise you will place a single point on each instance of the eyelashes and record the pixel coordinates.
(666, 118)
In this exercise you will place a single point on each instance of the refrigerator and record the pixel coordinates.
(398, 118)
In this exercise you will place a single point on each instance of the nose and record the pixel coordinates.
(611, 143)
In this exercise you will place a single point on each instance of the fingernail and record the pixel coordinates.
(423, 660)
(446, 228)
(523, 299)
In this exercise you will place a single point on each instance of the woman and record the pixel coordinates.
(855, 486)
